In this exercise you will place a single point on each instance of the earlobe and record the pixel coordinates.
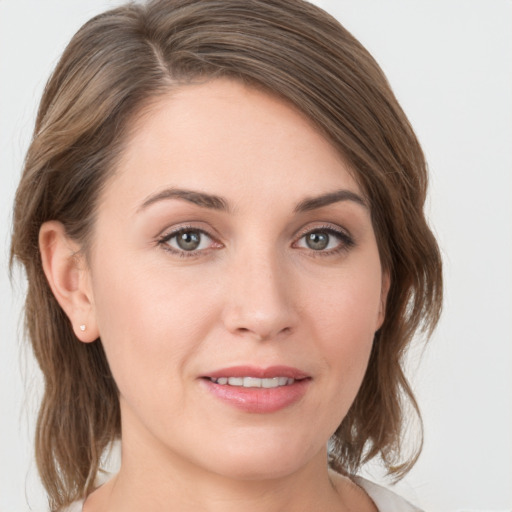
(386, 283)
(68, 278)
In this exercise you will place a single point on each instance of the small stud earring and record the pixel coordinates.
(82, 327)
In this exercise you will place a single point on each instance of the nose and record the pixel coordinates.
(260, 302)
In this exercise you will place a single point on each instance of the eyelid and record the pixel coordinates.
(169, 233)
(346, 239)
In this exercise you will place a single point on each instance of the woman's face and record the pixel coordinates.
(232, 250)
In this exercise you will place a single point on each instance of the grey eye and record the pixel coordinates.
(188, 240)
(326, 240)
(318, 240)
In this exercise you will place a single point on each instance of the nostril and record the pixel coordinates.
(262, 334)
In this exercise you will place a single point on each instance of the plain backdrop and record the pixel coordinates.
(450, 65)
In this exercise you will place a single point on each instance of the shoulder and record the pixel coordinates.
(384, 499)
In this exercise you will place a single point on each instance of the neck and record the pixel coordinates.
(166, 483)
(154, 478)
(174, 487)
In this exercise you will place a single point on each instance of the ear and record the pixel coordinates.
(386, 283)
(69, 279)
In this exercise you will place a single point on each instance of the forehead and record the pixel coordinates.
(226, 138)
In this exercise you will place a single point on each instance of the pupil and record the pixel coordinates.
(317, 241)
(188, 241)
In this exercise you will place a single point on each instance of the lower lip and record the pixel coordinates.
(259, 400)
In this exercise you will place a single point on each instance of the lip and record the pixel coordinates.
(261, 373)
(258, 400)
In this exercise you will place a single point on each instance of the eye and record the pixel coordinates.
(318, 241)
(187, 240)
(326, 240)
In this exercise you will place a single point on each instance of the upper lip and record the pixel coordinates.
(259, 372)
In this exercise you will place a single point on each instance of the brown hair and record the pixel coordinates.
(115, 65)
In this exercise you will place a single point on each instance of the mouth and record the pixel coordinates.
(258, 390)
(254, 382)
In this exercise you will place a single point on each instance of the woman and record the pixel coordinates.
(221, 220)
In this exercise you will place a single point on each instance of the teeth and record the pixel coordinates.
(254, 382)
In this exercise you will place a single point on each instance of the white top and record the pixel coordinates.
(384, 499)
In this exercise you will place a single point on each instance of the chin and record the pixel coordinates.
(260, 461)
(258, 470)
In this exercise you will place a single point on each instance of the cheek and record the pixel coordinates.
(348, 307)
(344, 319)
(150, 323)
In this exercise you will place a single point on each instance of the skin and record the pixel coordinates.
(253, 293)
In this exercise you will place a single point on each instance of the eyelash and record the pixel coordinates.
(164, 240)
(346, 242)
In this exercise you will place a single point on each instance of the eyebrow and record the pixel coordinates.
(198, 198)
(313, 203)
(215, 202)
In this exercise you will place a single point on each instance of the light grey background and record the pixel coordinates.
(450, 64)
